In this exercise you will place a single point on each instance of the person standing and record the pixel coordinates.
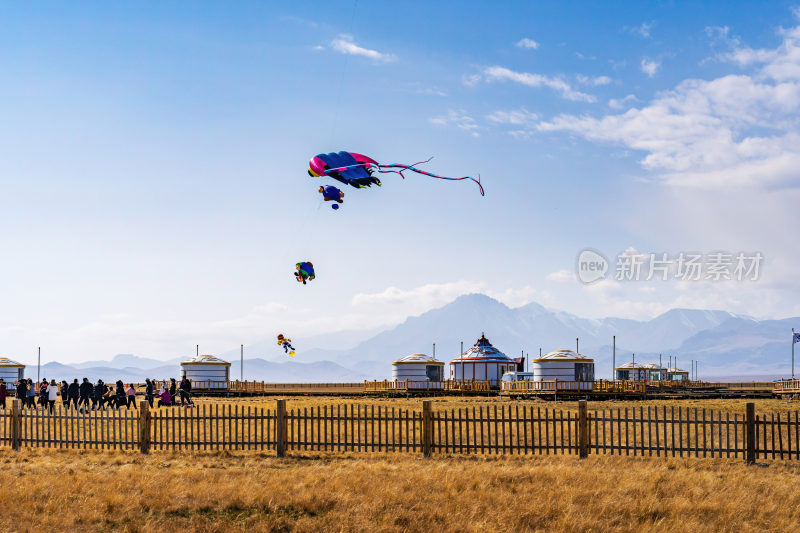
(65, 394)
(131, 395)
(73, 392)
(99, 391)
(43, 393)
(3, 393)
(52, 394)
(173, 389)
(186, 391)
(148, 391)
(85, 392)
(31, 398)
(22, 391)
(120, 394)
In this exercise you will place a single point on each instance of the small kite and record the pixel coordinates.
(305, 271)
(286, 344)
(332, 194)
(358, 170)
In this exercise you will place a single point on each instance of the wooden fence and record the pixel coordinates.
(405, 385)
(497, 429)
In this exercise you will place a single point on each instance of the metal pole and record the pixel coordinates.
(659, 359)
(462, 347)
(197, 351)
(434, 350)
(792, 353)
(241, 364)
(614, 357)
(39, 364)
(576, 346)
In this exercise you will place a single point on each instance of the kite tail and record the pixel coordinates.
(424, 173)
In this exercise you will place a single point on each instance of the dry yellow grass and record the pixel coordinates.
(105, 491)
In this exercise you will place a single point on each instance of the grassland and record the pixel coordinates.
(107, 491)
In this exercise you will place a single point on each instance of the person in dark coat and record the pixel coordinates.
(85, 391)
(97, 398)
(121, 399)
(186, 391)
(3, 393)
(22, 390)
(43, 393)
(73, 393)
(173, 388)
(148, 391)
(65, 394)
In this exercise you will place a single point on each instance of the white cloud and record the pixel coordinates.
(459, 119)
(345, 45)
(519, 117)
(318, 48)
(471, 80)
(497, 73)
(643, 29)
(650, 66)
(561, 276)
(620, 103)
(597, 80)
(527, 43)
(732, 131)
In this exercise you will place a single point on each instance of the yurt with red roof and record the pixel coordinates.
(482, 362)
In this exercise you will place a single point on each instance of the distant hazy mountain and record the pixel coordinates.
(725, 344)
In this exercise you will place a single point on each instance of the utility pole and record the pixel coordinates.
(792, 353)
(241, 364)
(434, 350)
(614, 357)
(577, 352)
(197, 351)
(38, 364)
(462, 347)
(659, 359)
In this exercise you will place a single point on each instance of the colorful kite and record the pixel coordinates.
(305, 271)
(286, 344)
(357, 170)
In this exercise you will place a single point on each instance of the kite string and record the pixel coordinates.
(381, 169)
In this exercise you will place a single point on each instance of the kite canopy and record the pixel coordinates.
(350, 168)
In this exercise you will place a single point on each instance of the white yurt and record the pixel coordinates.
(655, 372)
(677, 374)
(424, 370)
(631, 372)
(206, 372)
(11, 371)
(565, 365)
(482, 362)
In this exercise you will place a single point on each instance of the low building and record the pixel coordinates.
(631, 372)
(206, 372)
(419, 371)
(677, 374)
(565, 365)
(656, 372)
(482, 362)
(11, 371)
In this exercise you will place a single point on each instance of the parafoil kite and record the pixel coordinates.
(358, 170)
(332, 194)
(286, 344)
(305, 271)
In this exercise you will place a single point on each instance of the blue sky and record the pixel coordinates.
(154, 159)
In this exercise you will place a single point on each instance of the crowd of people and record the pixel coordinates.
(86, 396)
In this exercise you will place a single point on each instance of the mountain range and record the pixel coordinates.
(724, 344)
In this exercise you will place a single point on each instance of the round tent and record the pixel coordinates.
(482, 362)
(655, 372)
(631, 372)
(565, 365)
(677, 374)
(11, 371)
(419, 368)
(206, 372)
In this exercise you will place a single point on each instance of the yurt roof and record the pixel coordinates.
(629, 366)
(418, 358)
(5, 361)
(677, 370)
(484, 351)
(655, 366)
(205, 360)
(563, 356)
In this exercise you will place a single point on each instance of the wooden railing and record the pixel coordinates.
(558, 385)
(787, 386)
(261, 386)
(406, 385)
(495, 429)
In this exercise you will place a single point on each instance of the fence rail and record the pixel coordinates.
(404, 385)
(497, 429)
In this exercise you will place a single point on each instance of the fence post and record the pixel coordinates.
(427, 426)
(145, 419)
(16, 423)
(583, 430)
(280, 428)
(750, 433)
